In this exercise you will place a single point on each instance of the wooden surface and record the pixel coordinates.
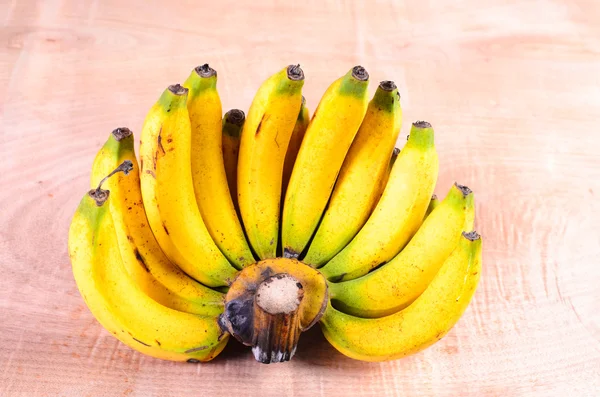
(512, 89)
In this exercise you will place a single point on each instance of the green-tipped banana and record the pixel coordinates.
(399, 282)
(399, 212)
(358, 185)
(427, 320)
(326, 142)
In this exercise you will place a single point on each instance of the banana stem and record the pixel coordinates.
(100, 195)
(276, 319)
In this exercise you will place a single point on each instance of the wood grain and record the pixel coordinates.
(511, 87)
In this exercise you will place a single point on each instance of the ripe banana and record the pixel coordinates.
(233, 121)
(117, 302)
(399, 282)
(326, 142)
(294, 146)
(168, 192)
(433, 204)
(424, 322)
(265, 138)
(358, 185)
(398, 213)
(208, 170)
(145, 262)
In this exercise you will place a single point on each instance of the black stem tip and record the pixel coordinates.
(360, 73)
(178, 89)
(434, 197)
(205, 71)
(463, 189)
(422, 124)
(235, 117)
(396, 151)
(121, 133)
(472, 235)
(295, 73)
(387, 85)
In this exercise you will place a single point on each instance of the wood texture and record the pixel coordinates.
(512, 89)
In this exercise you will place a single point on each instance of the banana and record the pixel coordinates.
(358, 185)
(433, 204)
(145, 262)
(117, 302)
(424, 322)
(208, 170)
(399, 212)
(168, 192)
(399, 282)
(265, 138)
(233, 121)
(294, 146)
(326, 142)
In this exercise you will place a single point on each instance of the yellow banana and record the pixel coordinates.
(208, 170)
(294, 146)
(433, 204)
(358, 185)
(399, 282)
(233, 121)
(326, 142)
(424, 322)
(265, 138)
(119, 305)
(168, 192)
(144, 260)
(399, 212)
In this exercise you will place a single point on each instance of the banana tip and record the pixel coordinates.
(295, 73)
(360, 73)
(472, 235)
(178, 89)
(422, 124)
(235, 116)
(464, 189)
(121, 133)
(387, 85)
(205, 71)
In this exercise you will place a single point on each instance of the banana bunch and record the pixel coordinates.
(260, 225)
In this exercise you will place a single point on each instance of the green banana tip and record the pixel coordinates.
(205, 71)
(295, 72)
(360, 73)
(121, 133)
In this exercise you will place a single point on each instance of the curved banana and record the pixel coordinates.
(265, 138)
(399, 212)
(326, 142)
(358, 185)
(433, 204)
(145, 262)
(208, 170)
(424, 322)
(294, 146)
(119, 305)
(399, 282)
(233, 122)
(168, 192)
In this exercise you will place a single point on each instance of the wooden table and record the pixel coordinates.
(511, 88)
